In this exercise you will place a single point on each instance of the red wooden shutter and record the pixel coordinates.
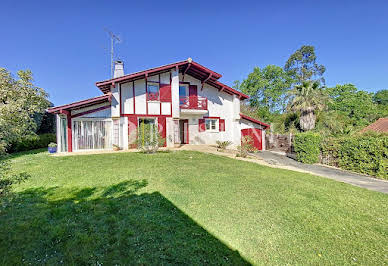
(165, 92)
(201, 125)
(222, 124)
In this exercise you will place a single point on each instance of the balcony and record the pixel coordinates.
(193, 104)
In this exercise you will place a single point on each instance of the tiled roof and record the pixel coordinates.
(381, 125)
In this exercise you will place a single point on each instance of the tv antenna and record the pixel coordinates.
(113, 40)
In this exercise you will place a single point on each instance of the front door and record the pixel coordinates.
(184, 131)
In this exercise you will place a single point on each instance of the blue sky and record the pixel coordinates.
(66, 47)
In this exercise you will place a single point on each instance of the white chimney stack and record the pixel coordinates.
(119, 69)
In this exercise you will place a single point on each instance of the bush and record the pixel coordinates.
(148, 138)
(246, 147)
(223, 144)
(307, 147)
(32, 142)
(365, 154)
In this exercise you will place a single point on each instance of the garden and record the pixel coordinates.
(184, 207)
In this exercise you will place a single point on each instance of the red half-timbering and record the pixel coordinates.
(256, 135)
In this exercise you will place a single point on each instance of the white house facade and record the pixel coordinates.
(184, 100)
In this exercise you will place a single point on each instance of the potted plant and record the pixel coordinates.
(52, 147)
(116, 147)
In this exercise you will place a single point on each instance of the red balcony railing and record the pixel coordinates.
(193, 102)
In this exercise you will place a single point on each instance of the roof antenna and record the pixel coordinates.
(113, 40)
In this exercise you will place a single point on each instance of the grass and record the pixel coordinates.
(185, 208)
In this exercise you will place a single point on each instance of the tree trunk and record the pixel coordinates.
(307, 120)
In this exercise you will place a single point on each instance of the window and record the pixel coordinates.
(211, 125)
(92, 135)
(153, 91)
(183, 93)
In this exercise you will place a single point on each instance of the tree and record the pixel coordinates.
(355, 104)
(267, 88)
(381, 97)
(302, 65)
(308, 98)
(20, 101)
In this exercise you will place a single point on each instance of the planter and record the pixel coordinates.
(52, 149)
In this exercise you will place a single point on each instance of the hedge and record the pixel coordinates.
(365, 154)
(32, 142)
(307, 147)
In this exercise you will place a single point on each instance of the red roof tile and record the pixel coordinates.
(381, 125)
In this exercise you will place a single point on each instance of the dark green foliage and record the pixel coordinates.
(302, 66)
(32, 142)
(306, 147)
(355, 104)
(47, 124)
(367, 154)
(267, 87)
(381, 97)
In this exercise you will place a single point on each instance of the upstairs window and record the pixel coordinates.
(153, 91)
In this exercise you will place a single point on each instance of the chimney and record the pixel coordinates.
(119, 69)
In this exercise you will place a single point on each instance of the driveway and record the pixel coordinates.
(363, 181)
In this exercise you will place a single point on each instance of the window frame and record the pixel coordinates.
(216, 125)
(156, 84)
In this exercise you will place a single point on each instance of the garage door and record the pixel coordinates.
(255, 134)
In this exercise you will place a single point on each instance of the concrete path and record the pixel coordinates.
(326, 171)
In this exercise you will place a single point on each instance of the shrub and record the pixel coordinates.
(364, 154)
(148, 138)
(367, 153)
(223, 144)
(307, 147)
(32, 142)
(245, 147)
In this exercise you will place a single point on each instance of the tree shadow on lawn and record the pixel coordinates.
(110, 226)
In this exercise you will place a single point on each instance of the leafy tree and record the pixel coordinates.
(267, 88)
(355, 104)
(302, 65)
(381, 97)
(20, 101)
(308, 99)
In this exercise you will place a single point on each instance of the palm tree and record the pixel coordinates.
(308, 99)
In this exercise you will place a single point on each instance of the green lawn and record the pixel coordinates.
(186, 208)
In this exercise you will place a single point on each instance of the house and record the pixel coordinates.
(185, 100)
(380, 126)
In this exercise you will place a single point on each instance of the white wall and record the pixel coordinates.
(128, 101)
(115, 104)
(140, 96)
(74, 112)
(127, 97)
(220, 104)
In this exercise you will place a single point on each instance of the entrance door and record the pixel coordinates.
(184, 131)
(255, 134)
